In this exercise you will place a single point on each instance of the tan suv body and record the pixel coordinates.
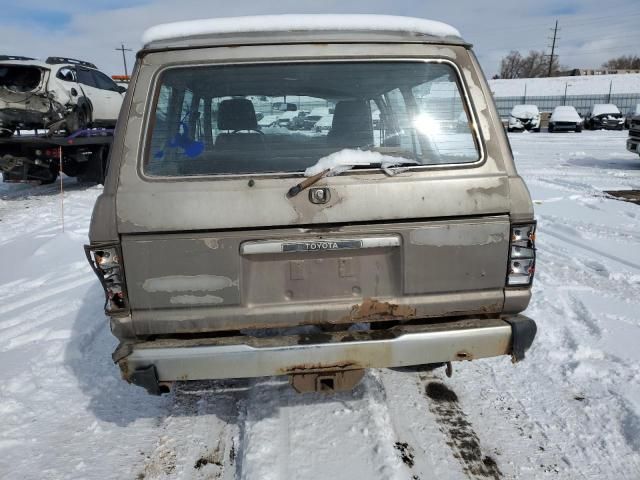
(395, 238)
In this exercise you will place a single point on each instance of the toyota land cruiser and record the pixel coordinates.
(229, 250)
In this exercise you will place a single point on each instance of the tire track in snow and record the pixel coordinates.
(573, 242)
(199, 437)
(345, 435)
(462, 438)
(444, 443)
(570, 421)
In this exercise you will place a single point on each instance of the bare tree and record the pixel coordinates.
(625, 62)
(510, 65)
(535, 64)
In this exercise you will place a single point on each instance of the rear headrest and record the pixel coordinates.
(351, 125)
(237, 114)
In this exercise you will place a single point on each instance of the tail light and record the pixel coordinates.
(522, 255)
(105, 260)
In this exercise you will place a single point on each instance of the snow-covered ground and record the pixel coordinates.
(571, 410)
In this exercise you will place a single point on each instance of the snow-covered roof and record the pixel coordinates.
(525, 111)
(603, 108)
(565, 114)
(290, 22)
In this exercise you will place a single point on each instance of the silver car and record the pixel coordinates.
(225, 251)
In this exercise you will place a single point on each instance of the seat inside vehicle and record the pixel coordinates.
(352, 126)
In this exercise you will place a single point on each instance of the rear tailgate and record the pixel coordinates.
(337, 271)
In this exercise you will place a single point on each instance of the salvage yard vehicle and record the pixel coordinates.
(524, 117)
(604, 116)
(40, 158)
(633, 112)
(633, 142)
(229, 252)
(565, 118)
(59, 93)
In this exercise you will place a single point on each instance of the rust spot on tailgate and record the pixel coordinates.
(372, 309)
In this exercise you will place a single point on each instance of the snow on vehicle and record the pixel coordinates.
(524, 117)
(604, 116)
(565, 118)
(229, 252)
(59, 93)
(268, 121)
(324, 124)
(285, 119)
(314, 116)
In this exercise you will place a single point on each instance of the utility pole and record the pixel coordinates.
(124, 58)
(553, 48)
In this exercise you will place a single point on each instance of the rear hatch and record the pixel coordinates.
(409, 219)
(18, 82)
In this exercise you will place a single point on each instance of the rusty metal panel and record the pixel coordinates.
(237, 357)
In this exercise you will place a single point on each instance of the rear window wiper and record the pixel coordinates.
(345, 160)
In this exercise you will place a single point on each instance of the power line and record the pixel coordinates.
(124, 58)
(553, 48)
(627, 18)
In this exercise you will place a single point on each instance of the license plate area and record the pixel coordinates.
(293, 271)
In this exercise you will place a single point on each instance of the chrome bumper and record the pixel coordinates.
(239, 357)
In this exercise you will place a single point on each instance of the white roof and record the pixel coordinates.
(33, 62)
(602, 108)
(283, 23)
(524, 111)
(565, 113)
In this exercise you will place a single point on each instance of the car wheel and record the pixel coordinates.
(537, 130)
(78, 120)
(578, 129)
(550, 128)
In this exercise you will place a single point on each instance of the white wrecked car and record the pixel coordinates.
(606, 116)
(565, 118)
(524, 117)
(55, 94)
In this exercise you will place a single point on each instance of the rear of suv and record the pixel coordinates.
(229, 251)
(59, 93)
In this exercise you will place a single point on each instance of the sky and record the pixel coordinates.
(591, 31)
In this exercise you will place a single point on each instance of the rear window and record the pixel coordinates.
(223, 120)
(19, 78)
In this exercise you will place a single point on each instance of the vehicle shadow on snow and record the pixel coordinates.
(88, 356)
(608, 164)
(112, 400)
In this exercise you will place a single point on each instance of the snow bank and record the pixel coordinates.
(284, 23)
(585, 85)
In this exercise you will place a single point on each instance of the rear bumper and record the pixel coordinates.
(633, 145)
(148, 363)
